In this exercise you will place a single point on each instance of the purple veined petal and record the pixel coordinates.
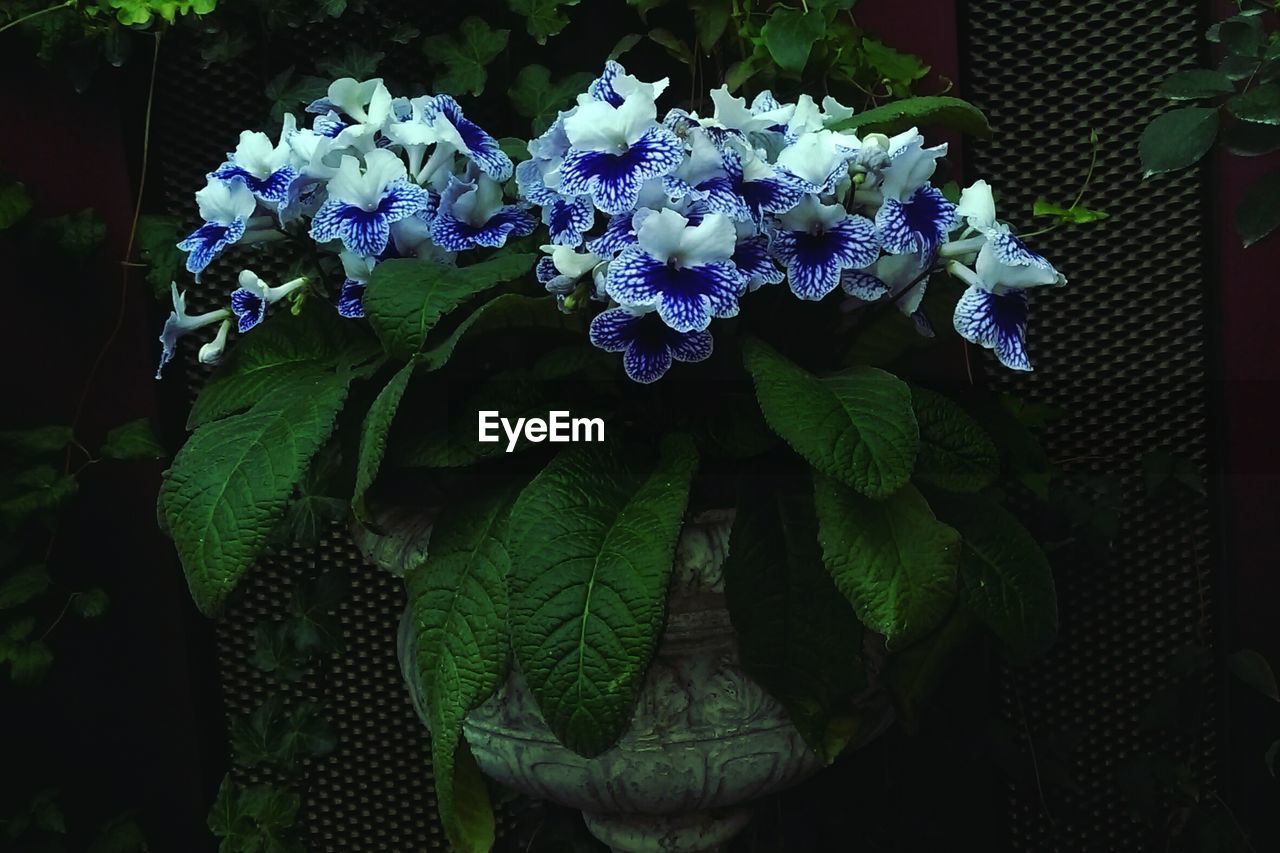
(532, 186)
(351, 299)
(249, 308)
(855, 241)
(614, 180)
(454, 235)
(208, 241)
(329, 124)
(814, 261)
(1011, 251)
(686, 298)
(632, 276)
(690, 346)
(646, 360)
(720, 195)
(997, 322)
(545, 270)
(482, 149)
(613, 330)
(403, 200)
(751, 257)
(567, 219)
(771, 195)
(601, 89)
(863, 285)
(924, 327)
(618, 235)
(364, 232)
(273, 189)
(919, 225)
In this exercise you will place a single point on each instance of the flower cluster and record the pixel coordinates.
(373, 177)
(673, 222)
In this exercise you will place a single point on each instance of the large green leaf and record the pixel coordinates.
(1177, 139)
(231, 481)
(1005, 578)
(892, 559)
(592, 541)
(955, 453)
(798, 636)
(1196, 83)
(1260, 105)
(508, 311)
(464, 55)
(789, 34)
(925, 110)
(458, 602)
(374, 431)
(1258, 213)
(856, 426)
(283, 354)
(544, 18)
(405, 298)
(535, 96)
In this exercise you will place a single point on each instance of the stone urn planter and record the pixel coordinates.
(705, 739)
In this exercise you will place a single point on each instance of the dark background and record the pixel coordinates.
(132, 716)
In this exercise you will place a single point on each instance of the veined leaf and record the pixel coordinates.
(1196, 83)
(856, 426)
(535, 96)
(893, 560)
(955, 453)
(545, 18)
(798, 636)
(1260, 105)
(1005, 578)
(458, 601)
(464, 55)
(592, 540)
(231, 481)
(938, 110)
(789, 34)
(374, 432)
(405, 298)
(1177, 139)
(508, 311)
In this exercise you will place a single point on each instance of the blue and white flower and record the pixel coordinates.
(226, 209)
(1004, 260)
(816, 242)
(564, 269)
(997, 321)
(180, 323)
(914, 217)
(615, 150)
(648, 345)
(614, 85)
(365, 103)
(467, 138)
(263, 167)
(819, 158)
(356, 270)
(364, 202)
(682, 271)
(250, 300)
(472, 214)
(754, 260)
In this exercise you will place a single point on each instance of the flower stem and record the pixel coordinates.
(38, 13)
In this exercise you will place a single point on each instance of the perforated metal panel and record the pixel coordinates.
(1122, 351)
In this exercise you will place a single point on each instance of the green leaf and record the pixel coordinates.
(465, 55)
(592, 541)
(232, 480)
(938, 110)
(90, 603)
(857, 426)
(273, 736)
(314, 626)
(23, 585)
(893, 65)
(1196, 83)
(286, 93)
(1259, 105)
(1074, 215)
(508, 311)
(1247, 139)
(1253, 670)
(1258, 213)
(1241, 36)
(624, 46)
(405, 298)
(458, 602)
(545, 17)
(34, 490)
(15, 203)
(134, 440)
(374, 432)
(355, 62)
(710, 17)
(121, 834)
(36, 441)
(893, 560)
(673, 45)
(1005, 578)
(789, 35)
(798, 637)
(157, 248)
(256, 819)
(74, 233)
(536, 96)
(274, 651)
(284, 354)
(1177, 139)
(955, 453)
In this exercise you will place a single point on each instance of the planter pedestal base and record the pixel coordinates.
(699, 832)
